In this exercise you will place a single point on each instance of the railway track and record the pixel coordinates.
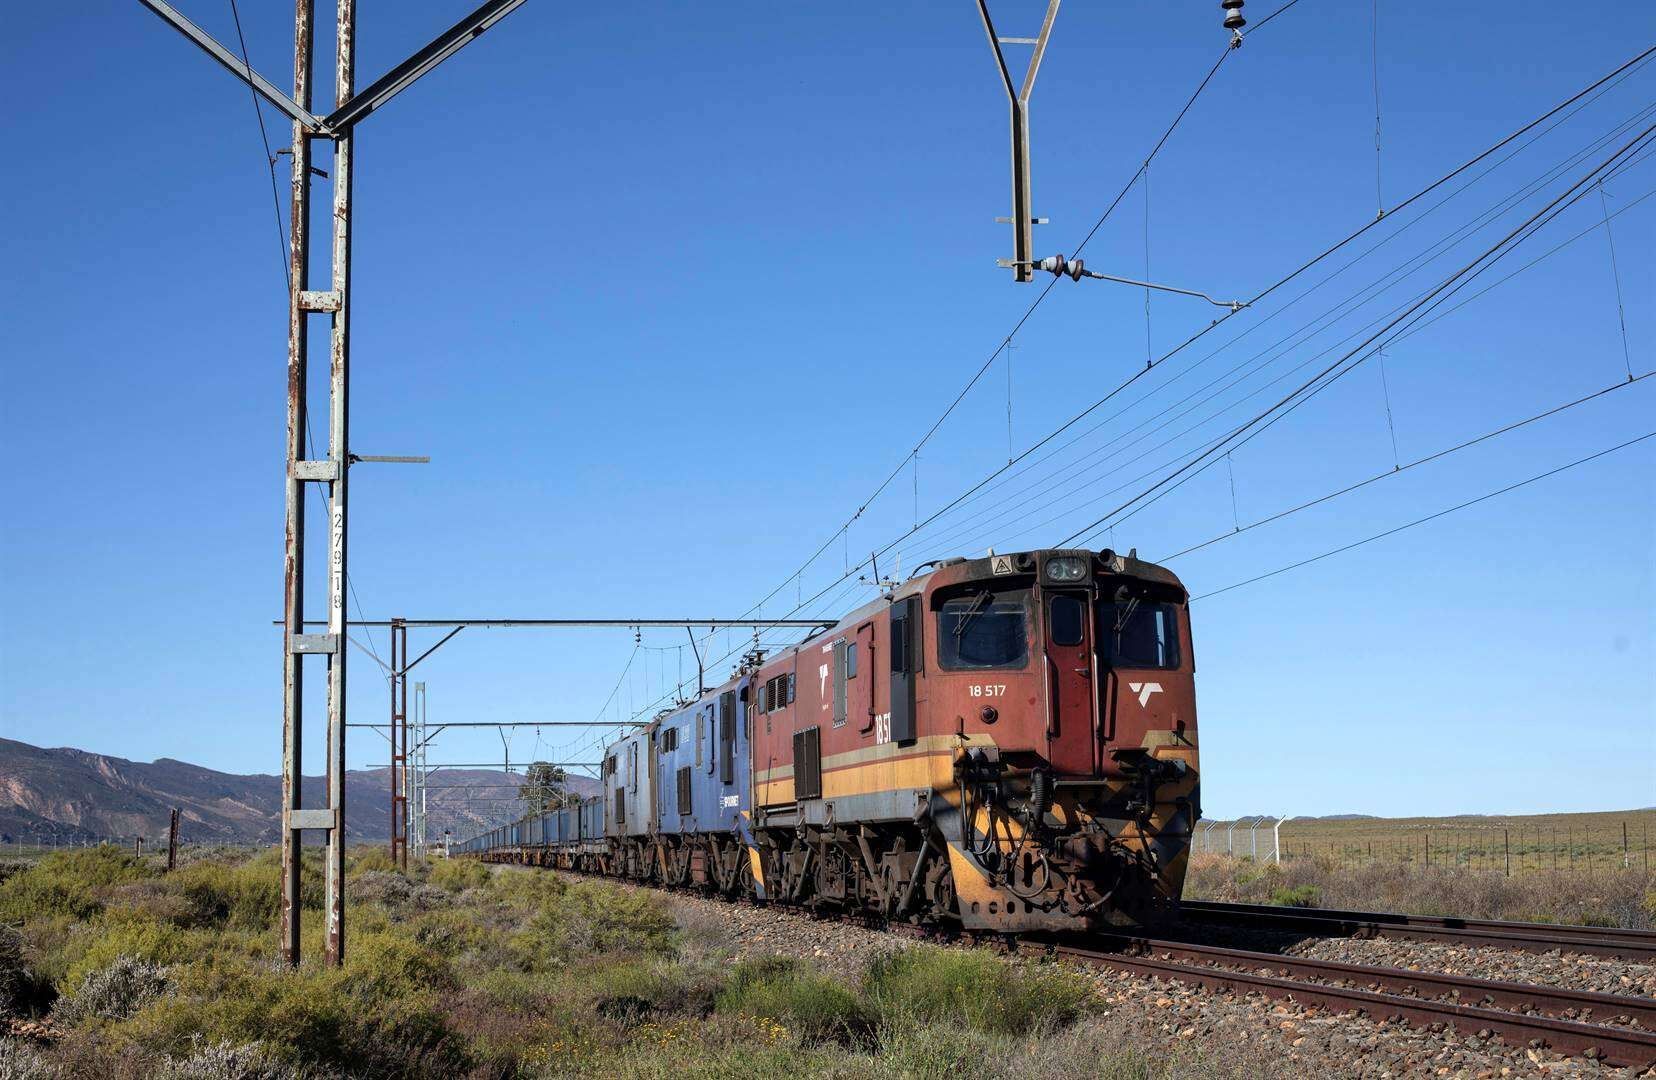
(1621, 944)
(1424, 999)
(1612, 1029)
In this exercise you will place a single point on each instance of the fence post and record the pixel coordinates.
(1428, 846)
(1624, 845)
(1276, 837)
(1506, 848)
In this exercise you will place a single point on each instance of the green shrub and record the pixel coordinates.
(247, 896)
(69, 883)
(528, 890)
(36, 892)
(389, 966)
(449, 932)
(592, 917)
(945, 1051)
(812, 1005)
(308, 1018)
(120, 935)
(1299, 896)
(458, 875)
(977, 990)
(370, 860)
(657, 986)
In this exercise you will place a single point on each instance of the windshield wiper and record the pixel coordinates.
(979, 602)
(1124, 615)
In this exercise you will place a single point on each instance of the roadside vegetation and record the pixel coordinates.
(111, 968)
(1612, 897)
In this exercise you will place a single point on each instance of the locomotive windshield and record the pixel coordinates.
(1139, 633)
(983, 630)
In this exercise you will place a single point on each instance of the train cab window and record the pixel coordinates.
(983, 630)
(1140, 633)
(669, 739)
(851, 660)
(1066, 617)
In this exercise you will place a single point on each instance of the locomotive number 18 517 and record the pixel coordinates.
(988, 690)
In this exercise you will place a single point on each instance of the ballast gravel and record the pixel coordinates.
(1247, 1034)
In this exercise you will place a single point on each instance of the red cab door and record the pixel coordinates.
(1071, 694)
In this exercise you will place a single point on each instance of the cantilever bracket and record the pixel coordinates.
(233, 63)
(338, 123)
(399, 78)
(1023, 220)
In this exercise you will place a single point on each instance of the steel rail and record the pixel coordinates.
(1618, 943)
(1470, 989)
(1619, 1046)
(1615, 1046)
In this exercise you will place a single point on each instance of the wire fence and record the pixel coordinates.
(1510, 848)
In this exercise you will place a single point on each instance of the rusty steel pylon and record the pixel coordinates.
(333, 470)
(399, 744)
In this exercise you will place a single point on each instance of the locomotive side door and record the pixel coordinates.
(1071, 693)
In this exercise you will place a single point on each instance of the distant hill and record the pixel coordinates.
(75, 795)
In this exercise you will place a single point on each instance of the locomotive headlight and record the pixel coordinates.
(1065, 569)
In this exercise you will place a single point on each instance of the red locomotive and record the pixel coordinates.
(1005, 743)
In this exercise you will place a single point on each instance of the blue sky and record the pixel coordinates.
(666, 290)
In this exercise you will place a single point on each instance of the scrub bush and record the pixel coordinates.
(114, 992)
(20, 1061)
(226, 1061)
(591, 918)
(394, 892)
(803, 1002)
(317, 1019)
(247, 897)
(458, 875)
(14, 977)
(37, 892)
(1298, 896)
(375, 860)
(976, 990)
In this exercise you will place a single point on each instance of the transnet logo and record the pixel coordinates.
(1144, 690)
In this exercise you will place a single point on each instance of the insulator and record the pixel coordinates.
(1058, 265)
(1233, 14)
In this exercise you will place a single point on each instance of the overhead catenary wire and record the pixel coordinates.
(1429, 517)
(830, 588)
(1400, 337)
(1614, 76)
(1622, 71)
(270, 159)
(843, 531)
(1429, 458)
(1345, 363)
(1615, 274)
(1067, 474)
(978, 374)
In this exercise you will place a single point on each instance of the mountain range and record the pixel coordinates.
(74, 796)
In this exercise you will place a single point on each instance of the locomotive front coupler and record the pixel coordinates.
(1149, 773)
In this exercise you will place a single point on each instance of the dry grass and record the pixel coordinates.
(458, 970)
(1577, 842)
(1591, 898)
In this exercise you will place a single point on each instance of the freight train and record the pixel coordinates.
(998, 744)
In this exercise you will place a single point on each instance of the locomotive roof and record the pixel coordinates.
(958, 569)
